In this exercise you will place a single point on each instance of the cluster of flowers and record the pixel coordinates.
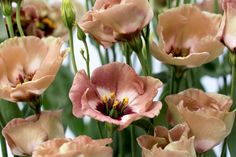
(115, 94)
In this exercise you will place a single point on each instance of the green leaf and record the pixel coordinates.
(145, 124)
(9, 110)
(3, 30)
(56, 97)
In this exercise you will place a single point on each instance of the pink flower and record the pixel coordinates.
(227, 32)
(28, 66)
(184, 39)
(113, 20)
(23, 135)
(207, 115)
(82, 146)
(115, 94)
(168, 143)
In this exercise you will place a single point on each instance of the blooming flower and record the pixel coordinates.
(28, 66)
(164, 143)
(108, 22)
(23, 135)
(42, 19)
(207, 115)
(179, 44)
(82, 146)
(227, 32)
(115, 94)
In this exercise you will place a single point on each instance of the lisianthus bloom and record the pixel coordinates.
(111, 21)
(82, 146)
(42, 19)
(184, 39)
(227, 32)
(115, 94)
(164, 143)
(23, 135)
(28, 66)
(207, 115)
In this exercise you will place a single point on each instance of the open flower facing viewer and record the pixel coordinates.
(207, 115)
(28, 66)
(187, 37)
(81, 146)
(24, 135)
(168, 143)
(115, 94)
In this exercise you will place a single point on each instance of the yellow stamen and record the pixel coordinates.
(105, 100)
(125, 102)
(116, 103)
(49, 22)
(112, 96)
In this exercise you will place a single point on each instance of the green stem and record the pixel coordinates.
(147, 52)
(169, 3)
(224, 148)
(200, 155)
(18, 22)
(233, 81)
(172, 79)
(72, 50)
(143, 63)
(3, 142)
(113, 53)
(107, 56)
(133, 148)
(127, 57)
(100, 54)
(177, 3)
(10, 26)
(99, 129)
(121, 144)
(87, 58)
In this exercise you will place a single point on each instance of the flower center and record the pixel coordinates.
(179, 52)
(47, 25)
(113, 107)
(25, 78)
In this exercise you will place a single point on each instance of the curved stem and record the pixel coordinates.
(3, 142)
(72, 50)
(87, 58)
(143, 63)
(172, 79)
(99, 129)
(10, 26)
(18, 22)
(223, 152)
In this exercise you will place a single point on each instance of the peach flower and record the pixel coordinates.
(23, 135)
(207, 115)
(227, 32)
(112, 20)
(82, 146)
(187, 37)
(164, 143)
(115, 94)
(28, 66)
(48, 18)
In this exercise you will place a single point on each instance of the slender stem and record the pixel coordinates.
(177, 3)
(169, 3)
(233, 81)
(133, 148)
(200, 155)
(87, 58)
(147, 52)
(3, 142)
(127, 57)
(113, 53)
(172, 83)
(143, 63)
(100, 54)
(224, 148)
(10, 26)
(216, 6)
(18, 22)
(99, 129)
(72, 50)
(107, 56)
(121, 144)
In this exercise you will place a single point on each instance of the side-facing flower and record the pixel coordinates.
(23, 135)
(168, 143)
(28, 66)
(112, 20)
(82, 146)
(207, 115)
(184, 39)
(227, 32)
(115, 94)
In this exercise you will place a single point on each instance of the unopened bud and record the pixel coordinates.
(80, 34)
(68, 13)
(6, 7)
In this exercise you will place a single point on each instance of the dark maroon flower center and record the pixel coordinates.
(179, 52)
(113, 107)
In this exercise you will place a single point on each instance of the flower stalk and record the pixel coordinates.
(18, 22)
(71, 42)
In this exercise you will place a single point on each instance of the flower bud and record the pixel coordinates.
(68, 14)
(80, 34)
(135, 43)
(6, 7)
